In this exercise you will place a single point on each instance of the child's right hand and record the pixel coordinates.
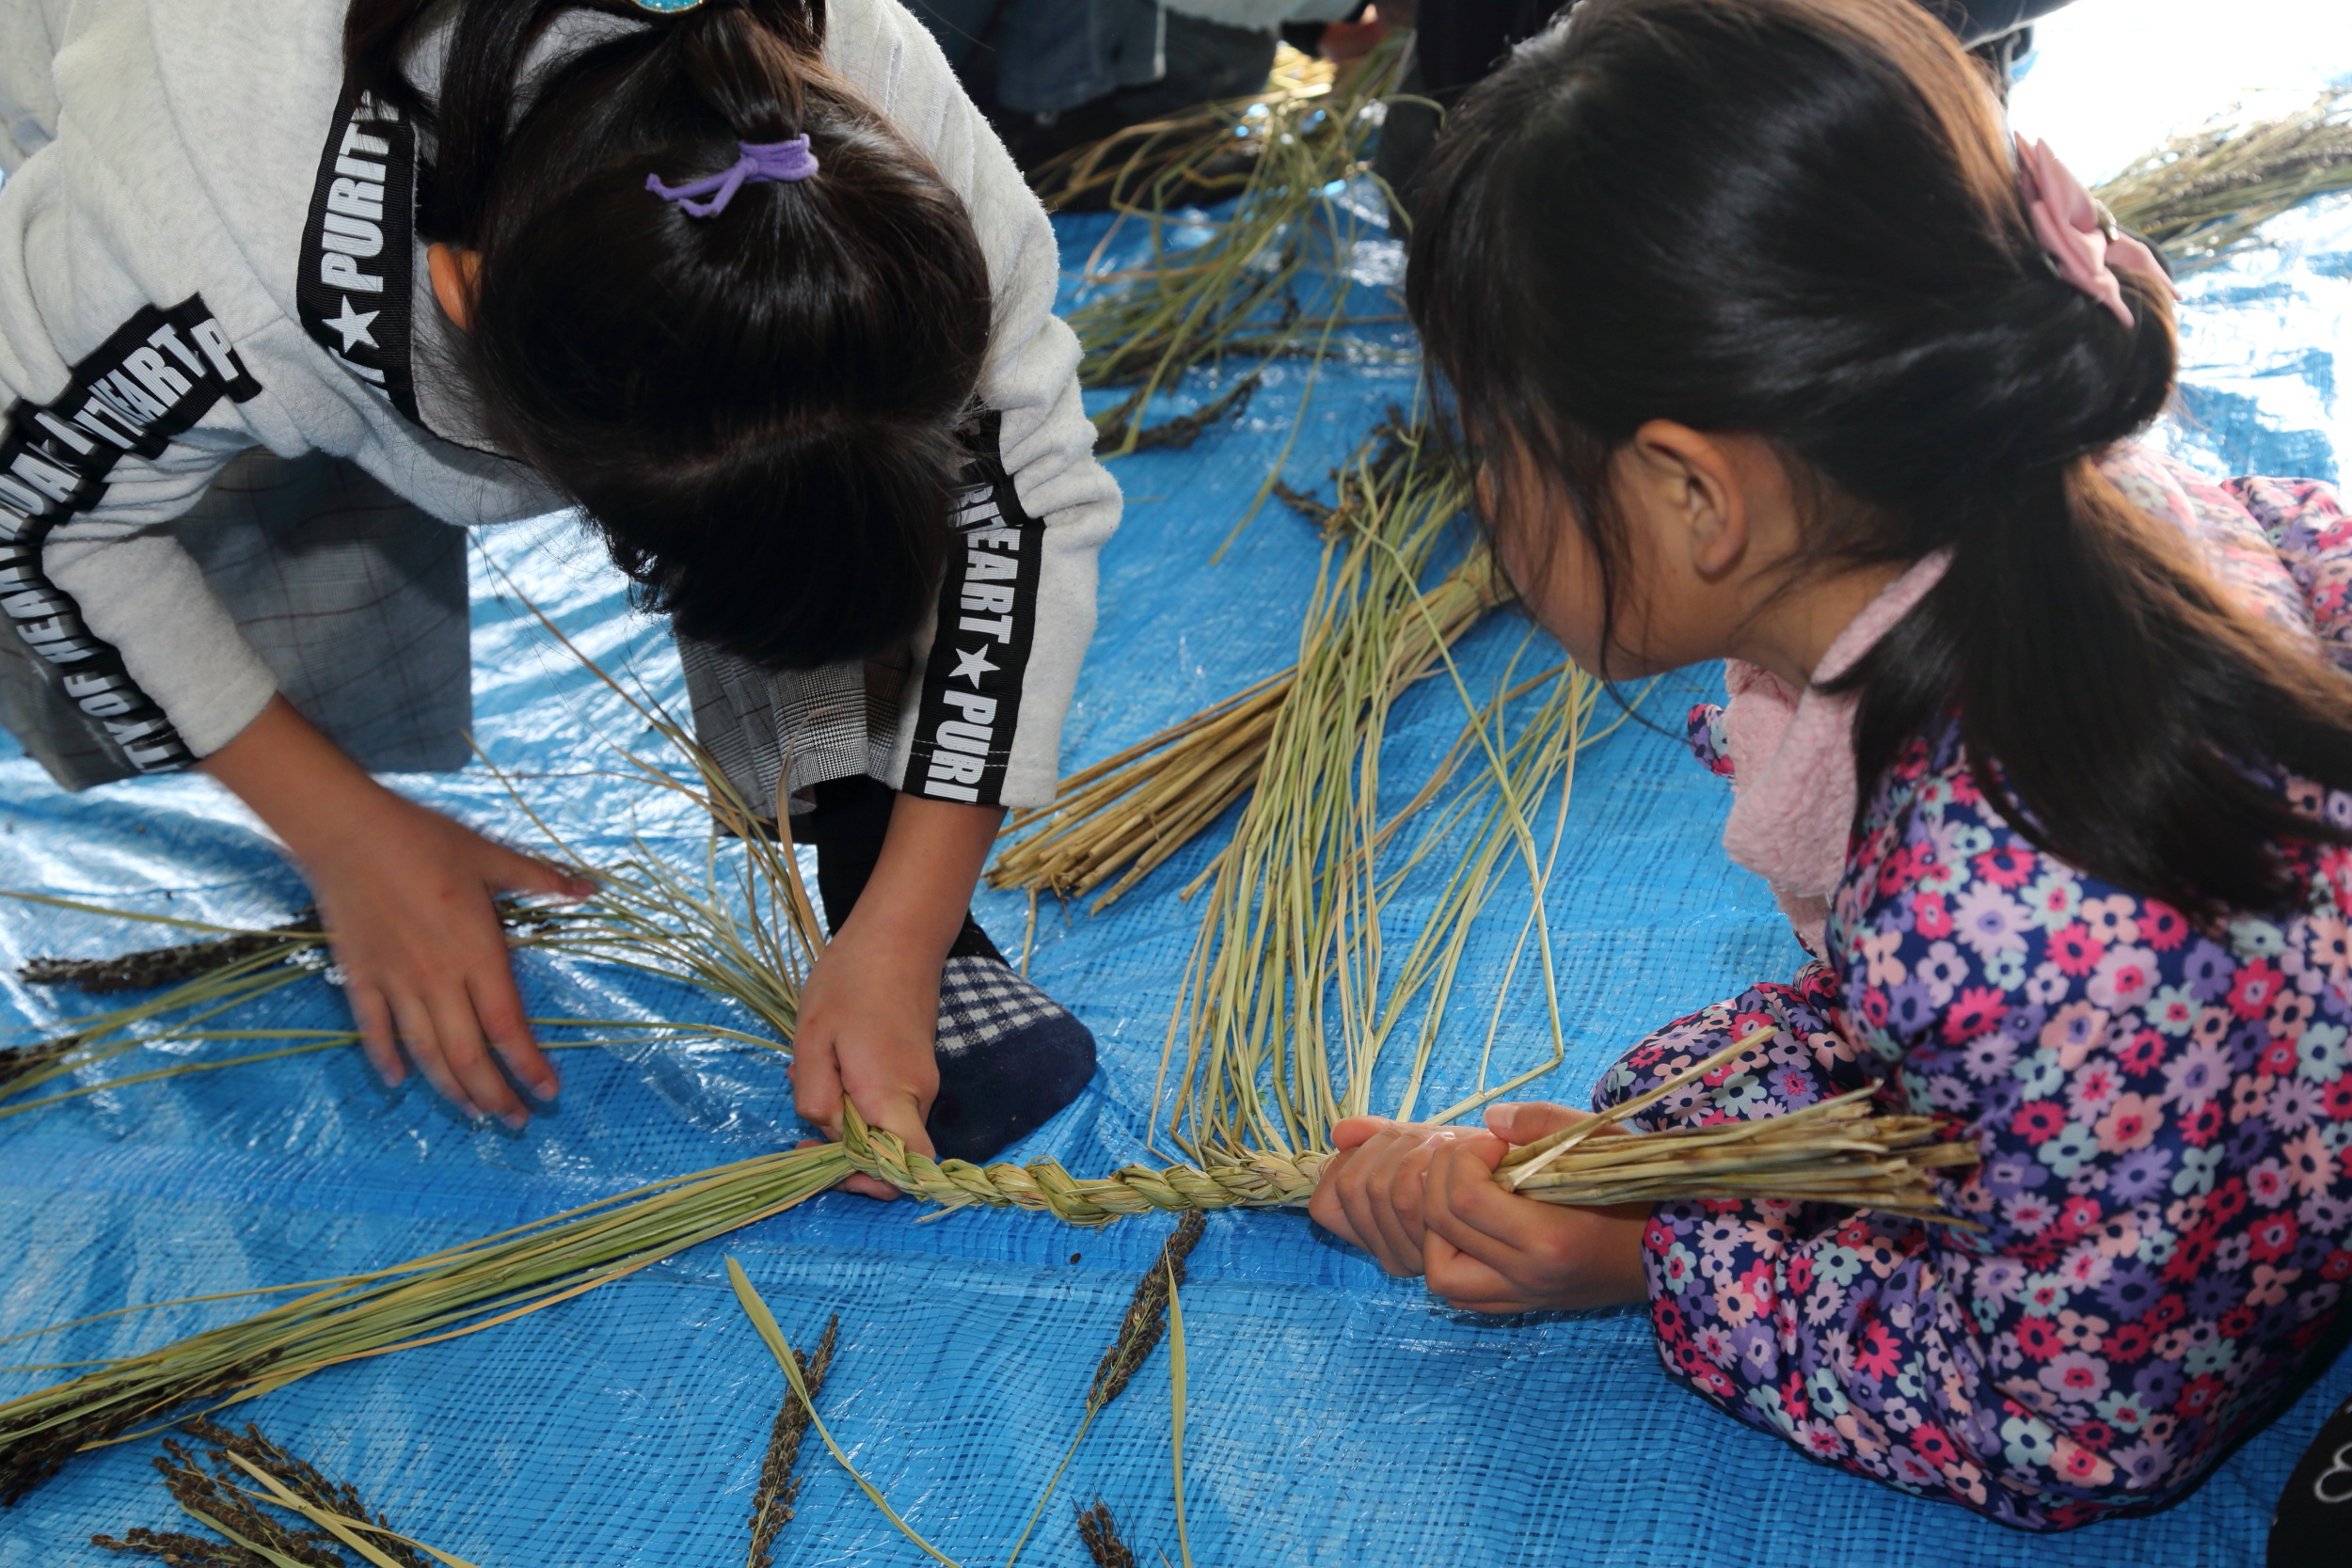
(406, 895)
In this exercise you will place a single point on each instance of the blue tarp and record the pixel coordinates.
(1336, 1417)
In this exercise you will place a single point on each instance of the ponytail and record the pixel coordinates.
(748, 59)
(757, 408)
(1799, 219)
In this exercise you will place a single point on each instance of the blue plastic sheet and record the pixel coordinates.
(1335, 1416)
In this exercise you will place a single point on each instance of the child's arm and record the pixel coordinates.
(405, 894)
(1424, 1201)
(870, 1014)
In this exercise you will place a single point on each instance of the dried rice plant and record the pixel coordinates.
(1140, 1333)
(2204, 195)
(253, 1537)
(772, 1499)
(1247, 290)
(1118, 821)
(1116, 169)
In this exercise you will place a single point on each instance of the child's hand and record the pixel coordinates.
(870, 1014)
(1424, 1200)
(1489, 1250)
(868, 1024)
(1370, 1190)
(406, 896)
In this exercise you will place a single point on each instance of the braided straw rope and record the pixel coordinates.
(1832, 1151)
(1248, 1179)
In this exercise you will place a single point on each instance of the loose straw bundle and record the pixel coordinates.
(2203, 195)
(1118, 821)
(1235, 293)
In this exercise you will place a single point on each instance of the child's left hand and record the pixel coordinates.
(1424, 1200)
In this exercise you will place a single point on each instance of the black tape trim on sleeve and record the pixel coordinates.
(153, 377)
(971, 703)
(357, 262)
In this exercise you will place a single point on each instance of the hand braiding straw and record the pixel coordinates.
(1833, 1151)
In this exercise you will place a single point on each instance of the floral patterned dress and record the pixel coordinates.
(2164, 1115)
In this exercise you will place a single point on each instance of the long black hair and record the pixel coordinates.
(757, 410)
(1798, 219)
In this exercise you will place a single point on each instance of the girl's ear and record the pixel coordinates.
(454, 274)
(1691, 489)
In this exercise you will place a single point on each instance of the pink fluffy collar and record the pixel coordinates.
(1792, 762)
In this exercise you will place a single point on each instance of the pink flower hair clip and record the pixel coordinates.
(2080, 235)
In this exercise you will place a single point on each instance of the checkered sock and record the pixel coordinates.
(1009, 1056)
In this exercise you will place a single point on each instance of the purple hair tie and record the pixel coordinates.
(779, 162)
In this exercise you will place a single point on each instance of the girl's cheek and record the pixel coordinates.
(1566, 599)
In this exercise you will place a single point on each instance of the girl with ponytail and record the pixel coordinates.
(292, 285)
(1772, 347)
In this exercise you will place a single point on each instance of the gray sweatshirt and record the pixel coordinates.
(205, 246)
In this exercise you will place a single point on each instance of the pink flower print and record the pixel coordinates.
(2267, 1184)
(2197, 1072)
(2113, 919)
(2257, 982)
(2289, 1014)
(2310, 1163)
(2074, 950)
(2073, 1032)
(2036, 1121)
(2141, 1052)
(2123, 978)
(2007, 867)
(2278, 1059)
(1989, 921)
(2130, 1123)
(1942, 972)
(2083, 1330)
(2028, 1214)
(1880, 1354)
(2117, 1236)
(2078, 1465)
(2096, 1084)
(2273, 1236)
(2270, 1285)
(1821, 1439)
(1883, 968)
(2327, 947)
(2162, 926)
(2073, 1375)
(1930, 916)
(1976, 1009)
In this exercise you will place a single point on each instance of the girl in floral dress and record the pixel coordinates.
(1776, 349)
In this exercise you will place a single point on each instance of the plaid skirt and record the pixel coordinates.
(355, 600)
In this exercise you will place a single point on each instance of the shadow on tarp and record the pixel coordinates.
(1336, 1417)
